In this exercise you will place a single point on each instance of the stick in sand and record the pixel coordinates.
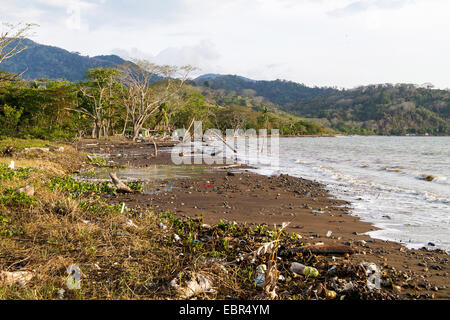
(234, 150)
(187, 131)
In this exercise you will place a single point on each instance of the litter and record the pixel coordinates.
(73, 281)
(299, 268)
(260, 275)
(194, 284)
(374, 275)
(20, 277)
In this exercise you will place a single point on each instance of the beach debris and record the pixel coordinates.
(19, 277)
(332, 248)
(330, 294)
(260, 275)
(162, 226)
(427, 177)
(176, 237)
(73, 281)
(189, 284)
(36, 149)
(317, 211)
(55, 148)
(271, 278)
(129, 223)
(374, 275)
(123, 208)
(329, 233)
(28, 190)
(299, 268)
(8, 151)
(331, 270)
(11, 165)
(120, 186)
(396, 289)
(61, 293)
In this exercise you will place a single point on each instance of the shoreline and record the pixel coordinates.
(250, 198)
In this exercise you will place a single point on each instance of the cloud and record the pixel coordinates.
(365, 5)
(203, 55)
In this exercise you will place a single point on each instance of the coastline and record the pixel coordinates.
(248, 198)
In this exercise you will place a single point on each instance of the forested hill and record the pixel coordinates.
(42, 61)
(381, 109)
(280, 92)
(376, 109)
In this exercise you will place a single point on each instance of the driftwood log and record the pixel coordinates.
(120, 186)
(321, 249)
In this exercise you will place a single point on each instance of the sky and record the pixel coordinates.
(339, 43)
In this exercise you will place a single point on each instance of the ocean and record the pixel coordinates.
(384, 179)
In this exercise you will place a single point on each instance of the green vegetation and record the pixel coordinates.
(76, 188)
(376, 109)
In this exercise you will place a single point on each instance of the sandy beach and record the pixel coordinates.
(235, 194)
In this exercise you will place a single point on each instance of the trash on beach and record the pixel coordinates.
(331, 270)
(189, 284)
(162, 226)
(299, 268)
(374, 275)
(123, 208)
(170, 184)
(129, 223)
(11, 165)
(260, 275)
(73, 281)
(317, 211)
(329, 233)
(28, 190)
(176, 237)
(61, 293)
(19, 277)
(330, 294)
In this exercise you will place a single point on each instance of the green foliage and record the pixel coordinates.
(9, 119)
(97, 161)
(7, 174)
(4, 225)
(77, 187)
(12, 198)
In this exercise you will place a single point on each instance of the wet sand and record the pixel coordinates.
(241, 196)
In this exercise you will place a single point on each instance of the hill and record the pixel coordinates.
(280, 92)
(381, 109)
(42, 61)
(376, 109)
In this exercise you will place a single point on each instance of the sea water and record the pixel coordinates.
(384, 179)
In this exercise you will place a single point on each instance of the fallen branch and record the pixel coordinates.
(120, 186)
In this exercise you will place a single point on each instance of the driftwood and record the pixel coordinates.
(327, 249)
(324, 249)
(120, 186)
(155, 146)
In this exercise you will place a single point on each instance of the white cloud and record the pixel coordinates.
(203, 55)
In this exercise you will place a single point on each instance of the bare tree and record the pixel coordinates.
(98, 92)
(142, 96)
(11, 39)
